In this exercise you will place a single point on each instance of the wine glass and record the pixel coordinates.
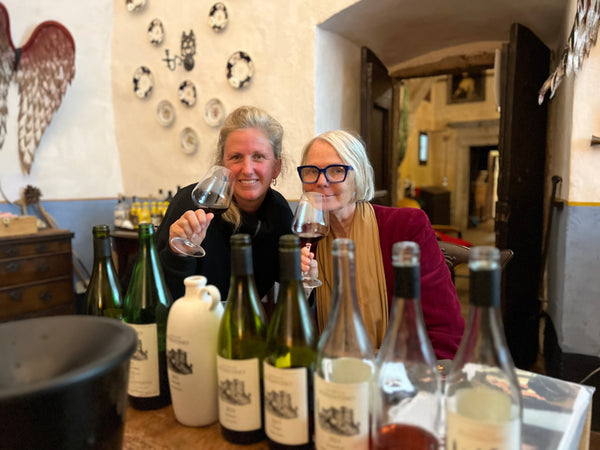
(212, 194)
(311, 224)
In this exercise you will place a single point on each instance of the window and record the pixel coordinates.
(423, 148)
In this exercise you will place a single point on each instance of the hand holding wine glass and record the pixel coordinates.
(311, 224)
(212, 194)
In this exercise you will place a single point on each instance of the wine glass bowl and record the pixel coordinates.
(311, 224)
(213, 194)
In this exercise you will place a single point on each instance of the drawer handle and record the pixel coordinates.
(46, 296)
(43, 267)
(41, 248)
(11, 251)
(12, 267)
(15, 294)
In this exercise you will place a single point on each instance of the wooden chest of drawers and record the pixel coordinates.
(36, 275)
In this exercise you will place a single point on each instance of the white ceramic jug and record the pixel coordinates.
(192, 329)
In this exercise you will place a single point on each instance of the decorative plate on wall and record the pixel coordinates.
(165, 113)
(239, 69)
(217, 17)
(188, 139)
(143, 82)
(187, 93)
(156, 32)
(135, 5)
(214, 112)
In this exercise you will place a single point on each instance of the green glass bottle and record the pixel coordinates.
(103, 296)
(146, 308)
(240, 351)
(290, 357)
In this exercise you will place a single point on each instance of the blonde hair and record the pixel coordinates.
(351, 149)
(242, 118)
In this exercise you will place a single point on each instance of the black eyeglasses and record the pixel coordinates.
(334, 173)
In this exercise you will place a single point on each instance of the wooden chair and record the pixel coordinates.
(458, 254)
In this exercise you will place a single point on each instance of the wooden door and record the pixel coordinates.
(519, 211)
(376, 122)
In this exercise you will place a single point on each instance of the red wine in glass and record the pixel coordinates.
(311, 223)
(311, 234)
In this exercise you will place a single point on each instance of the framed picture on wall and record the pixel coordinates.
(466, 87)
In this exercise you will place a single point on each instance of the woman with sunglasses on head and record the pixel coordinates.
(336, 165)
(250, 145)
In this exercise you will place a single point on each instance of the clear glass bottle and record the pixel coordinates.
(290, 359)
(240, 351)
(103, 295)
(121, 212)
(146, 309)
(407, 394)
(345, 363)
(483, 398)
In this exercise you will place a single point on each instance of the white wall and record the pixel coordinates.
(279, 37)
(77, 156)
(337, 83)
(103, 140)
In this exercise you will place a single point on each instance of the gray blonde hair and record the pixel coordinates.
(351, 149)
(242, 118)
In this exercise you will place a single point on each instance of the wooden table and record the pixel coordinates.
(158, 430)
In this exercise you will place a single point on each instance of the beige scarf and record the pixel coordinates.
(370, 276)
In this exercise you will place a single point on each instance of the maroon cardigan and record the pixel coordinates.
(441, 308)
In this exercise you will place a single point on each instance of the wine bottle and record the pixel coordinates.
(103, 295)
(483, 398)
(290, 357)
(345, 363)
(146, 309)
(240, 351)
(407, 394)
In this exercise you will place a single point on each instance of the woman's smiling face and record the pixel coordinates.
(249, 155)
(338, 195)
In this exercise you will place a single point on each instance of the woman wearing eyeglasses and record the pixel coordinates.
(336, 165)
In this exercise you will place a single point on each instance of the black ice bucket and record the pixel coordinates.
(63, 382)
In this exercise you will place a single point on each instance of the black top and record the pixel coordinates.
(273, 219)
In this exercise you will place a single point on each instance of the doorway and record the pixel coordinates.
(483, 183)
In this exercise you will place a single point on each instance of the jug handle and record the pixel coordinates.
(213, 293)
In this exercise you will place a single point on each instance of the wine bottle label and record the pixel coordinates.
(143, 366)
(472, 434)
(341, 415)
(239, 393)
(286, 404)
(471, 426)
(180, 364)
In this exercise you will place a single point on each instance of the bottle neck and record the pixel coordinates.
(102, 248)
(344, 298)
(241, 261)
(484, 287)
(290, 269)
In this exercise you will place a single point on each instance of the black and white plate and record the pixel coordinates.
(187, 93)
(156, 32)
(214, 112)
(188, 139)
(143, 82)
(165, 113)
(239, 69)
(135, 5)
(217, 17)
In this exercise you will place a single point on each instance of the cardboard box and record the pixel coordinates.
(14, 226)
